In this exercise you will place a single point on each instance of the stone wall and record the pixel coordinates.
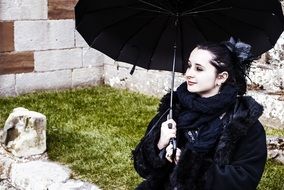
(40, 49)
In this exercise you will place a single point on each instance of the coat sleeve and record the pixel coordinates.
(147, 157)
(247, 166)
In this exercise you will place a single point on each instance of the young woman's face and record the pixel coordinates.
(201, 76)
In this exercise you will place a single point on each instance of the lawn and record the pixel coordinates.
(93, 131)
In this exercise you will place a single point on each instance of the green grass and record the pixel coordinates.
(93, 131)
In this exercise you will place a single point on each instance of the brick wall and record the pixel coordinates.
(40, 48)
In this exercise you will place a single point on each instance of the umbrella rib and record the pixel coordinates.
(149, 10)
(155, 6)
(206, 11)
(160, 36)
(207, 4)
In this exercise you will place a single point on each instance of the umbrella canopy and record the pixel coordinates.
(151, 33)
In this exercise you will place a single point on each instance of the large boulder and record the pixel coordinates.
(24, 133)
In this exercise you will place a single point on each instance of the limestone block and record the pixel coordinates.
(23, 9)
(73, 184)
(92, 57)
(41, 81)
(87, 76)
(44, 35)
(58, 59)
(7, 85)
(24, 133)
(38, 175)
(79, 40)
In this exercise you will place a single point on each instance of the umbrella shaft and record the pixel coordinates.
(173, 82)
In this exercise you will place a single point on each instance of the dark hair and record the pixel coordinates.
(235, 58)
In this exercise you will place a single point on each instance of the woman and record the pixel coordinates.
(221, 144)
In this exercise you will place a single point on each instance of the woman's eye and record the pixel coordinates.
(199, 69)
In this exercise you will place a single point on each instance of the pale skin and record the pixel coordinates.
(202, 78)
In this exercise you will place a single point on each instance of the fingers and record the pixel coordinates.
(178, 153)
(169, 152)
(167, 133)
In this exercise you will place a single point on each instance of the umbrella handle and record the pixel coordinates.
(173, 141)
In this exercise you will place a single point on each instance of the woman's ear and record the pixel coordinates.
(222, 77)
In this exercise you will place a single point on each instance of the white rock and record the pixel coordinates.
(38, 175)
(44, 35)
(58, 59)
(72, 185)
(23, 9)
(24, 133)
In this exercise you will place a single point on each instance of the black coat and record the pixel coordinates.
(237, 162)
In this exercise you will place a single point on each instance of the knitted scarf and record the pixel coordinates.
(202, 114)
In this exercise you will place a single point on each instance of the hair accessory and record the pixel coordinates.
(241, 49)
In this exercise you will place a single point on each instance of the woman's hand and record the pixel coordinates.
(169, 152)
(167, 133)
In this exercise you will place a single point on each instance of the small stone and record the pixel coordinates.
(24, 133)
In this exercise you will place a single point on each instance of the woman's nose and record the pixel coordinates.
(188, 73)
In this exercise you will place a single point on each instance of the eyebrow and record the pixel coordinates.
(195, 64)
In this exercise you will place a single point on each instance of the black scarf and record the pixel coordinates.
(203, 114)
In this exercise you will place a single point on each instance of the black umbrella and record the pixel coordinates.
(159, 34)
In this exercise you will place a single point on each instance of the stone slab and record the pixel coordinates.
(23, 9)
(52, 60)
(7, 85)
(44, 35)
(43, 81)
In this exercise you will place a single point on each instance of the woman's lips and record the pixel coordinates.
(190, 83)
